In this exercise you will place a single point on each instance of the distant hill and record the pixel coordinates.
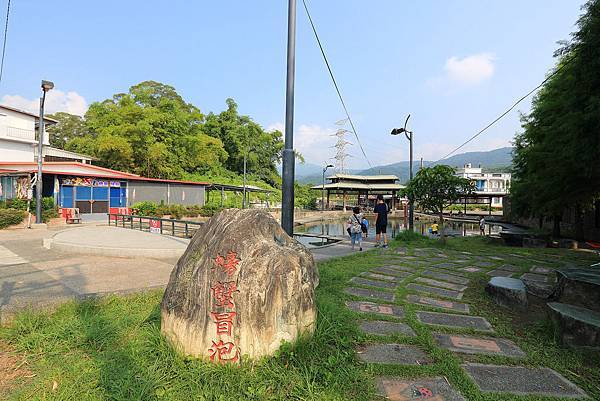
(498, 159)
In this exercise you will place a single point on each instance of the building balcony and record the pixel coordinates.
(20, 134)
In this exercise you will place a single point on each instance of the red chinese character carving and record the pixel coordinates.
(223, 293)
(228, 263)
(224, 322)
(223, 352)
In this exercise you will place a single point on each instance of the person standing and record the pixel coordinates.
(365, 227)
(482, 226)
(355, 227)
(381, 211)
(435, 228)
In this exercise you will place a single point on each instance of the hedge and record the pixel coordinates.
(9, 217)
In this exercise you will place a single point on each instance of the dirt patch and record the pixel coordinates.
(13, 369)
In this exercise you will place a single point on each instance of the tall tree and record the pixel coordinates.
(436, 188)
(556, 156)
(69, 126)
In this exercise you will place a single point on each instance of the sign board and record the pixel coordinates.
(155, 226)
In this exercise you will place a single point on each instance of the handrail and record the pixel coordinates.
(175, 228)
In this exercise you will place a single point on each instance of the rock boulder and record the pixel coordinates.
(508, 292)
(241, 288)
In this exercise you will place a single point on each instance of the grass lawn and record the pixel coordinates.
(111, 348)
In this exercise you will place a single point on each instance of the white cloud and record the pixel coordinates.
(312, 141)
(56, 100)
(467, 71)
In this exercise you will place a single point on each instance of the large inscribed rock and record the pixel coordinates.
(241, 288)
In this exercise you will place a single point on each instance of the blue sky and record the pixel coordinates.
(454, 65)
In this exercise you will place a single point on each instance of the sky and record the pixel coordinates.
(453, 66)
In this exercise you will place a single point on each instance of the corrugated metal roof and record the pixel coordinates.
(361, 186)
(28, 113)
(364, 177)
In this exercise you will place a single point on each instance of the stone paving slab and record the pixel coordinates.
(462, 261)
(437, 291)
(510, 268)
(535, 277)
(371, 307)
(438, 303)
(521, 381)
(372, 294)
(479, 345)
(451, 278)
(450, 320)
(484, 264)
(445, 265)
(378, 276)
(391, 272)
(499, 273)
(428, 389)
(541, 270)
(374, 283)
(472, 269)
(436, 283)
(407, 269)
(383, 328)
(394, 354)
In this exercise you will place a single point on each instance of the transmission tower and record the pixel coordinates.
(340, 151)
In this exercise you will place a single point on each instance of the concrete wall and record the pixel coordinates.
(15, 151)
(169, 194)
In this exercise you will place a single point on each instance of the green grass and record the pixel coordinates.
(112, 349)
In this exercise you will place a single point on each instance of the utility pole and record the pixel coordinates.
(323, 187)
(46, 86)
(287, 195)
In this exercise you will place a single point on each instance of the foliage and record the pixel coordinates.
(9, 217)
(21, 204)
(305, 197)
(69, 127)
(410, 236)
(144, 208)
(556, 156)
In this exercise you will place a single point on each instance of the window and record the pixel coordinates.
(66, 196)
(83, 193)
(100, 193)
(8, 188)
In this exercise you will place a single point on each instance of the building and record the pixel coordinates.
(493, 185)
(361, 190)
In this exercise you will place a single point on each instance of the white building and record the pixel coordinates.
(18, 139)
(487, 183)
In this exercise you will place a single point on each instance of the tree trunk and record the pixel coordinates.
(541, 222)
(556, 227)
(579, 234)
(442, 234)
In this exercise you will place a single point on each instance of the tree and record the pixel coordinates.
(69, 127)
(555, 163)
(436, 188)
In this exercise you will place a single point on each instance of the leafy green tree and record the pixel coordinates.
(556, 156)
(69, 127)
(436, 188)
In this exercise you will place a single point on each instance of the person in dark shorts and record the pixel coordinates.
(381, 211)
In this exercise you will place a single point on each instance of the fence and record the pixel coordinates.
(175, 228)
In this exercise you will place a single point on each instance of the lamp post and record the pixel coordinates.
(323, 187)
(46, 86)
(287, 187)
(409, 136)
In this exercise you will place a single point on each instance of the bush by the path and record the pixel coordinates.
(9, 217)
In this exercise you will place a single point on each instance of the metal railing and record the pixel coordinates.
(175, 228)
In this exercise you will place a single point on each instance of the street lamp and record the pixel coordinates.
(323, 187)
(409, 136)
(46, 86)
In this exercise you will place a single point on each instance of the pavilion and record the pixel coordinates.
(363, 190)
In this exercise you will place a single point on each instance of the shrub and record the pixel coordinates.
(192, 211)
(176, 211)
(210, 210)
(410, 236)
(9, 217)
(145, 208)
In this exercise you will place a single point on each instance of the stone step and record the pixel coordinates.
(393, 354)
(436, 291)
(374, 283)
(508, 292)
(500, 273)
(438, 303)
(391, 272)
(371, 307)
(478, 345)
(450, 320)
(442, 284)
(400, 389)
(449, 277)
(575, 326)
(521, 381)
(383, 328)
(378, 276)
(371, 294)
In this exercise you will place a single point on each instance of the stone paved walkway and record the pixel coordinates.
(422, 287)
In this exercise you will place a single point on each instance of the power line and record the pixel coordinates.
(507, 111)
(4, 44)
(335, 82)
